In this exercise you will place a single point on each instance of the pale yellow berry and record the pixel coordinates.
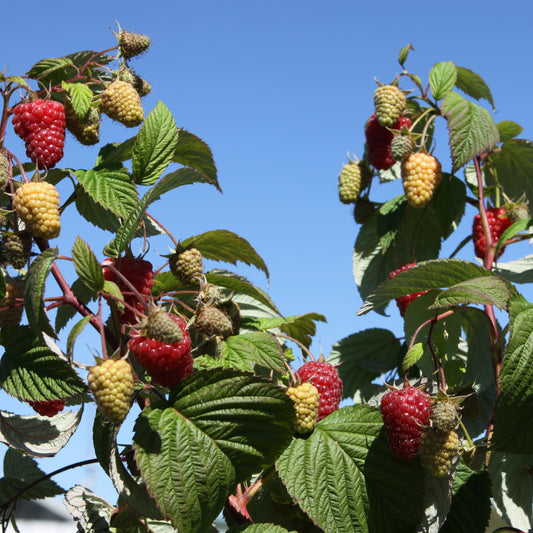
(421, 175)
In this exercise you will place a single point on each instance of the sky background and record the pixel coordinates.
(280, 91)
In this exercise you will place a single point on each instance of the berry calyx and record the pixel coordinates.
(306, 400)
(498, 222)
(406, 412)
(389, 102)
(438, 451)
(111, 383)
(48, 407)
(121, 102)
(325, 378)
(404, 301)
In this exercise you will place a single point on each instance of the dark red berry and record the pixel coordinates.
(405, 414)
(41, 125)
(48, 407)
(166, 364)
(404, 301)
(325, 378)
(379, 140)
(498, 222)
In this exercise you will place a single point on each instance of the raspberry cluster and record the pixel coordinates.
(121, 102)
(404, 301)
(41, 125)
(306, 399)
(498, 222)
(421, 175)
(37, 205)
(405, 414)
(325, 378)
(167, 364)
(379, 140)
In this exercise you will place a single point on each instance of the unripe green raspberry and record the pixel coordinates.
(111, 383)
(11, 309)
(139, 84)
(17, 247)
(518, 212)
(421, 175)
(353, 178)
(305, 398)
(187, 265)
(401, 146)
(86, 129)
(4, 168)
(211, 320)
(161, 327)
(444, 415)
(132, 44)
(389, 102)
(37, 205)
(121, 102)
(438, 451)
(363, 210)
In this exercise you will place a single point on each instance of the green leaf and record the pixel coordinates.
(249, 417)
(301, 327)
(364, 356)
(113, 154)
(87, 266)
(442, 78)
(508, 130)
(471, 129)
(258, 528)
(198, 476)
(512, 431)
(179, 178)
(21, 471)
(426, 275)
(42, 69)
(412, 356)
(224, 245)
(91, 512)
(473, 85)
(74, 333)
(38, 436)
(519, 271)
(95, 213)
(81, 97)
(155, 145)
(404, 52)
(34, 292)
(29, 370)
(195, 153)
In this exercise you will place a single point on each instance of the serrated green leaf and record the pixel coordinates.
(198, 476)
(442, 78)
(514, 229)
(42, 69)
(154, 146)
(179, 178)
(224, 245)
(91, 512)
(519, 271)
(258, 528)
(412, 356)
(404, 52)
(29, 370)
(473, 85)
(113, 154)
(20, 471)
(17, 79)
(81, 97)
(87, 266)
(36, 436)
(471, 129)
(508, 130)
(249, 417)
(195, 153)
(34, 292)
(95, 213)
(301, 327)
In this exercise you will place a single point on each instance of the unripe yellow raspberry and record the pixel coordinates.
(305, 398)
(121, 102)
(438, 451)
(37, 205)
(421, 175)
(389, 102)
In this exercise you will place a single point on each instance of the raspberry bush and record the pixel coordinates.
(222, 409)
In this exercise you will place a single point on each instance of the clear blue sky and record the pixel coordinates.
(280, 91)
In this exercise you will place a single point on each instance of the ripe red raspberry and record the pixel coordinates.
(404, 301)
(41, 125)
(379, 140)
(48, 407)
(167, 364)
(325, 378)
(498, 223)
(140, 274)
(405, 413)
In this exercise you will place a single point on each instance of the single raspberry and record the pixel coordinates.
(210, 320)
(187, 265)
(438, 451)
(233, 310)
(111, 383)
(41, 125)
(421, 175)
(363, 210)
(121, 102)
(132, 44)
(444, 415)
(86, 129)
(401, 146)
(389, 102)
(325, 378)
(37, 205)
(519, 211)
(4, 168)
(48, 407)
(379, 140)
(160, 326)
(139, 84)
(404, 301)
(306, 399)
(210, 295)
(11, 305)
(405, 414)
(353, 178)
(167, 364)
(17, 247)
(139, 273)
(498, 222)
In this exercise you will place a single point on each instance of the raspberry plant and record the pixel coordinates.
(212, 423)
